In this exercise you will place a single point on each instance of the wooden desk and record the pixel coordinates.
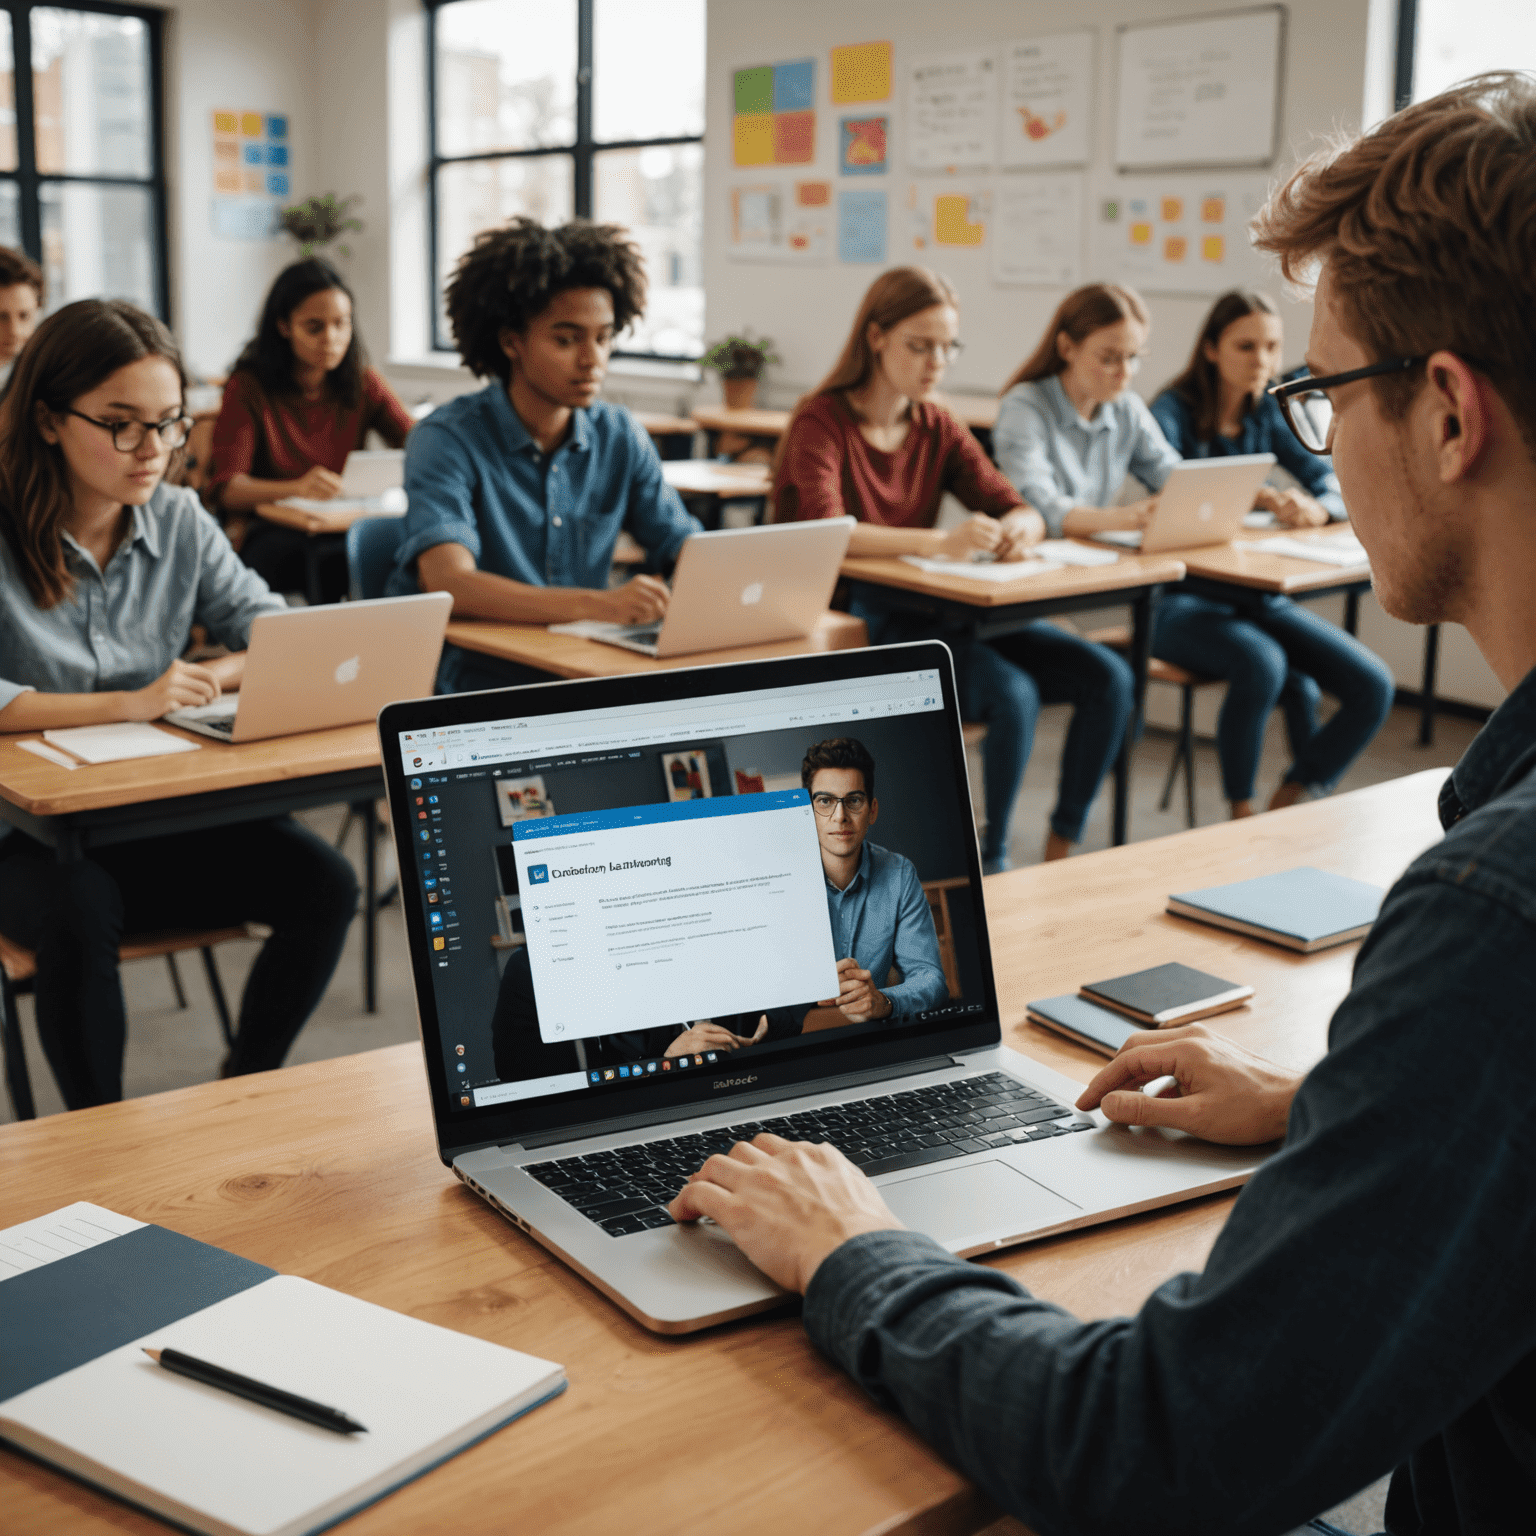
(674, 434)
(532, 645)
(705, 484)
(327, 532)
(978, 412)
(988, 608)
(224, 782)
(330, 1171)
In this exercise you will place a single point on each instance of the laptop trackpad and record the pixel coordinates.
(962, 1206)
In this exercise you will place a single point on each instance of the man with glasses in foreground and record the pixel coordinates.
(1368, 1304)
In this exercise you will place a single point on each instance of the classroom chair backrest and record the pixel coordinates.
(371, 546)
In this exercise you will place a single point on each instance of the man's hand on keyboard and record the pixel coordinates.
(787, 1204)
(1220, 1092)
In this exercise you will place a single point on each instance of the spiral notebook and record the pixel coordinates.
(84, 1291)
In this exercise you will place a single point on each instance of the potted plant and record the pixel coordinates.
(317, 221)
(740, 361)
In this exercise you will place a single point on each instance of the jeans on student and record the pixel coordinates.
(1003, 682)
(74, 916)
(1272, 651)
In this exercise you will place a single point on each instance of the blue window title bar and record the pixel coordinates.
(644, 815)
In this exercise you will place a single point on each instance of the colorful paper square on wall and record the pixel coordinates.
(794, 138)
(861, 72)
(861, 227)
(863, 146)
(775, 114)
(794, 86)
(752, 138)
(957, 220)
(813, 194)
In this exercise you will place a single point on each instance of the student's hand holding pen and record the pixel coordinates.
(641, 600)
(182, 685)
(708, 1036)
(978, 534)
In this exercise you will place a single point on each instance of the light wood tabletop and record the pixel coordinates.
(1244, 566)
(1127, 574)
(532, 645)
(661, 425)
(330, 1171)
(976, 411)
(332, 520)
(705, 477)
(42, 788)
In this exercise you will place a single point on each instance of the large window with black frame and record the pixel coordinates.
(82, 178)
(574, 108)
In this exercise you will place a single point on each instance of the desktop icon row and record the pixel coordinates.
(661, 1064)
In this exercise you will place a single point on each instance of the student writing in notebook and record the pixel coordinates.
(869, 443)
(519, 491)
(21, 303)
(300, 399)
(1270, 649)
(1368, 1302)
(104, 569)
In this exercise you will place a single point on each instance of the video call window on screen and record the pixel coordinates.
(627, 897)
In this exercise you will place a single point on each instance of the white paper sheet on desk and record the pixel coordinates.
(390, 504)
(117, 743)
(1067, 552)
(995, 571)
(1341, 549)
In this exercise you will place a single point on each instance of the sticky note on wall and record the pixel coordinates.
(794, 86)
(752, 138)
(1141, 234)
(952, 222)
(813, 194)
(1173, 210)
(754, 90)
(1175, 248)
(1213, 248)
(794, 138)
(861, 72)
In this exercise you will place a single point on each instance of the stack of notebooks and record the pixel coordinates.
(84, 1293)
(1103, 1015)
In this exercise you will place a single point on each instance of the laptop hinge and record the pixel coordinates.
(735, 1101)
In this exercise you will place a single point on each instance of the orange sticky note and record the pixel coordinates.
(255, 181)
(1141, 234)
(226, 149)
(752, 138)
(252, 124)
(1175, 248)
(1213, 210)
(1213, 248)
(226, 122)
(1173, 210)
(227, 181)
(813, 194)
(861, 72)
(952, 221)
(794, 138)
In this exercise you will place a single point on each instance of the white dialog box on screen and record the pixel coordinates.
(665, 914)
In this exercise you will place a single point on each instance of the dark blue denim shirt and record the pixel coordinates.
(1370, 1303)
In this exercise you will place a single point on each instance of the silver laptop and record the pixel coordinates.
(338, 664)
(739, 586)
(1203, 501)
(620, 938)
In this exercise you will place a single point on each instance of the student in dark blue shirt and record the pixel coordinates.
(1368, 1303)
(1269, 649)
(518, 492)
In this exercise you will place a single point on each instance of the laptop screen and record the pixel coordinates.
(660, 898)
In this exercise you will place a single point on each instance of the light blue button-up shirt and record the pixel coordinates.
(881, 918)
(475, 476)
(125, 625)
(1058, 461)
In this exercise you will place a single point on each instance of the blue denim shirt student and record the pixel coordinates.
(475, 476)
(881, 919)
(1368, 1303)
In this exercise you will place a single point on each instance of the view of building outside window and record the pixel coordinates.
(506, 94)
(1457, 38)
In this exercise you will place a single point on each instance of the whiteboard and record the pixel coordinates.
(1200, 93)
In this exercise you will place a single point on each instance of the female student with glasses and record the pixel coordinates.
(301, 398)
(1269, 650)
(868, 442)
(104, 569)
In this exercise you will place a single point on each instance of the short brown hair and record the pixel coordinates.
(840, 752)
(17, 267)
(1428, 226)
(1083, 311)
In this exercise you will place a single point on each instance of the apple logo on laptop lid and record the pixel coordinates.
(751, 594)
(1206, 512)
(346, 671)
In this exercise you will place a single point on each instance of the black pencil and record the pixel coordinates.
(257, 1391)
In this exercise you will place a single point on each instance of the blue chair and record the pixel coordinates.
(372, 543)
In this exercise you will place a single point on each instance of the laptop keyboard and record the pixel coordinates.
(625, 1190)
(222, 725)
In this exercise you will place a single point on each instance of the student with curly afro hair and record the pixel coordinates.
(518, 491)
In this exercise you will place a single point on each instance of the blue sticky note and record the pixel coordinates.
(277, 126)
(254, 154)
(277, 184)
(794, 86)
(861, 225)
(277, 154)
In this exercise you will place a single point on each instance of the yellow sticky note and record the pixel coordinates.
(1213, 248)
(252, 124)
(861, 72)
(226, 122)
(1141, 234)
(1173, 210)
(1213, 210)
(952, 222)
(752, 138)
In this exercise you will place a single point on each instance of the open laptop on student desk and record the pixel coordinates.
(738, 586)
(1203, 501)
(601, 865)
(307, 669)
(372, 480)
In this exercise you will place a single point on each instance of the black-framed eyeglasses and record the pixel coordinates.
(1308, 410)
(853, 805)
(128, 436)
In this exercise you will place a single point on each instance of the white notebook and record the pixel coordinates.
(115, 743)
(206, 1459)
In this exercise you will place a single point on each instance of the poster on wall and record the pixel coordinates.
(251, 173)
(1046, 88)
(1182, 234)
(952, 112)
(775, 222)
(773, 119)
(1037, 231)
(861, 72)
(862, 218)
(864, 145)
(1200, 92)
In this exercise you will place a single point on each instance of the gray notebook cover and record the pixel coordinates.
(1308, 904)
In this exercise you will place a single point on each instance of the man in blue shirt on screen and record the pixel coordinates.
(518, 492)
